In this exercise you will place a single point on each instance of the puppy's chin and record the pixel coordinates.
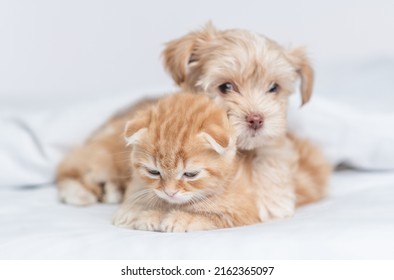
(245, 143)
(249, 140)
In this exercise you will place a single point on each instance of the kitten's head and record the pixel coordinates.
(250, 75)
(182, 148)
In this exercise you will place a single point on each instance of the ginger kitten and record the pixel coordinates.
(186, 174)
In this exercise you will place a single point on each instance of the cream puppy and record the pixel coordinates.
(252, 77)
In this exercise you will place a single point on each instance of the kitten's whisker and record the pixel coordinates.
(194, 203)
(139, 195)
(120, 153)
(206, 203)
(156, 200)
(152, 200)
(210, 204)
(122, 160)
(143, 153)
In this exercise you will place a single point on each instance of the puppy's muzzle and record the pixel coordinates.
(255, 121)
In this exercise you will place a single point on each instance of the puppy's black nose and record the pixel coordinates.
(255, 121)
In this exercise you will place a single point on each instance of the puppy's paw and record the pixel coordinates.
(280, 209)
(87, 175)
(140, 220)
(76, 192)
(178, 221)
(109, 192)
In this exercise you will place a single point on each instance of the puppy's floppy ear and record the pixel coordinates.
(300, 60)
(179, 53)
(137, 126)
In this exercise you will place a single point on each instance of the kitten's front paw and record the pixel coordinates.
(139, 220)
(178, 221)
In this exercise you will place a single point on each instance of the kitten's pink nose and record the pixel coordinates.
(171, 193)
(255, 121)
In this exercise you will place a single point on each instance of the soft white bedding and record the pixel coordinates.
(355, 221)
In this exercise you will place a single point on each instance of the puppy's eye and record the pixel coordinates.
(153, 172)
(191, 175)
(227, 87)
(274, 88)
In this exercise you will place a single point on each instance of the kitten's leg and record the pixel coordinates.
(179, 221)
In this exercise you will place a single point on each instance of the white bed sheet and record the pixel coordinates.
(356, 221)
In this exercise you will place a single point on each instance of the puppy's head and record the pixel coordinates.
(249, 74)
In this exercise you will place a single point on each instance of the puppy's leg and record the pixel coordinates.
(97, 171)
(273, 171)
(88, 175)
(312, 174)
(276, 198)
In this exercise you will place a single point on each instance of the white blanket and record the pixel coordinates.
(32, 144)
(356, 221)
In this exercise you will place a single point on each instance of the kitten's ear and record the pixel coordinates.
(181, 52)
(136, 127)
(300, 60)
(217, 137)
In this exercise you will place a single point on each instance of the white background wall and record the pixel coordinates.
(61, 49)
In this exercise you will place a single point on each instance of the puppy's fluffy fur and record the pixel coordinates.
(252, 77)
(249, 75)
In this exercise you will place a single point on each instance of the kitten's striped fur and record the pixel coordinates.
(195, 185)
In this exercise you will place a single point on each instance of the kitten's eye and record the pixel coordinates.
(191, 175)
(227, 87)
(274, 88)
(153, 172)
